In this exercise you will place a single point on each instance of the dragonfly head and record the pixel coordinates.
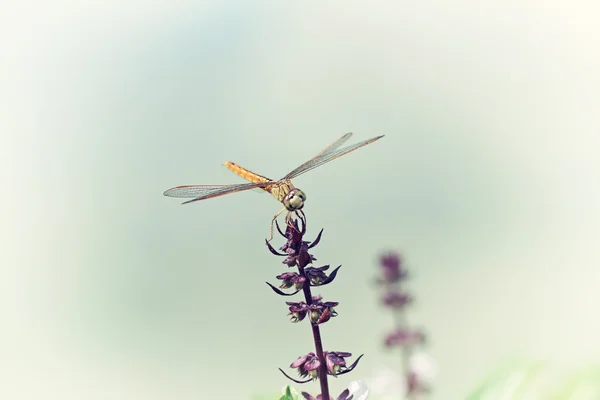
(294, 199)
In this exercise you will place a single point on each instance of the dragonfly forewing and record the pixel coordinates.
(335, 144)
(330, 153)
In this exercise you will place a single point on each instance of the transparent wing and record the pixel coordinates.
(335, 144)
(330, 153)
(201, 192)
(326, 150)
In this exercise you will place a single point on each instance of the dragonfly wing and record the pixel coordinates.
(330, 153)
(326, 150)
(201, 192)
(335, 144)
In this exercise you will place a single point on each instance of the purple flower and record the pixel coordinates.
(391, 268)
(320, 312)
(307, 365)
(316, 276)
(296, 249)
(335, 361)
(404, 338)
(345, 395)
(290, 279)
(396, 299)
(298, 310)
(391, 276)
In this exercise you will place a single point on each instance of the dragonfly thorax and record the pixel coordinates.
(294, 199)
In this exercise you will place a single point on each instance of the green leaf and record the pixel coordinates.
(289, 394)
(539, 381)
(584, 384)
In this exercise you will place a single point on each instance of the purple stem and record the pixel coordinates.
(317, 338)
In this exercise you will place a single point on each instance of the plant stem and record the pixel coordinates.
(318, 342)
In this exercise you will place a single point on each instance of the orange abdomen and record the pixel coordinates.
(246, 173)
(277, 189)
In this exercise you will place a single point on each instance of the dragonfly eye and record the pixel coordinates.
(294, 200)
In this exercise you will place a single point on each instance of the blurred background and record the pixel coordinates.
(486, 182)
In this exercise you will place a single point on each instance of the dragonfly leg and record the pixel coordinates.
(288, 219)
(273, 221)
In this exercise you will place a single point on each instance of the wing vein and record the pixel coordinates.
(201, 192)
(330, 153)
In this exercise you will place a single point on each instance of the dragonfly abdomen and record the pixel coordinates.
(246, 173)
(277, 189)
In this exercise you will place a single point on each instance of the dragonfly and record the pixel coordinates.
(283, 189)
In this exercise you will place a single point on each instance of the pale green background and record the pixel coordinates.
(487, 181)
